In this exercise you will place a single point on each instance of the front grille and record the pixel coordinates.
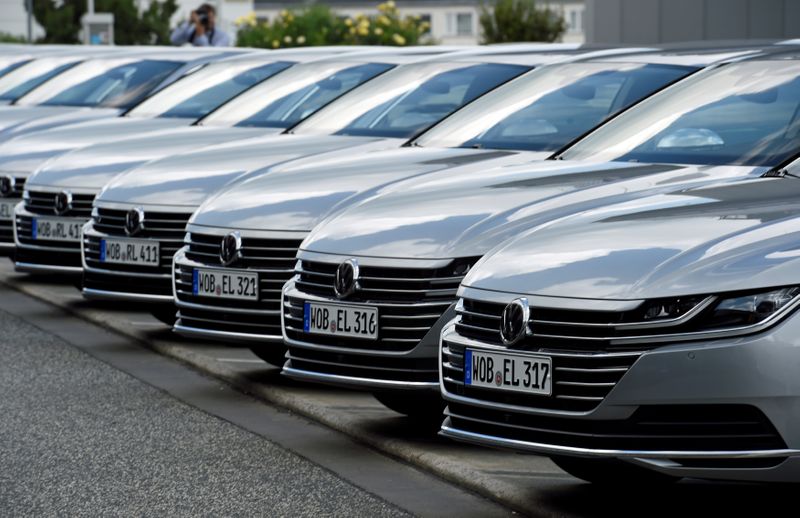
(272, 259)
(409, 301)
(570, 330)
(584, 370)
(694, 428)
(167, 228)
(365, 366)
(48, 257)
(15, 196)
(44, 203)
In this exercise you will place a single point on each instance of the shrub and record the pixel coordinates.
(61, 20)
(11, 38)
(508, 21)
(318, 25)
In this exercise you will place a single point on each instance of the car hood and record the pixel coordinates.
(705, 240)
(25, 154)
(188, 179)
(296, 198)
(456, 214)
(92, 167)
(21, 120)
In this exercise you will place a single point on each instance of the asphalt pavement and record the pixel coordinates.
(82, 437)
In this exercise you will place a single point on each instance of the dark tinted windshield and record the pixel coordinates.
(739, 114)
(195, 95)
(410, 99)
(26, 86)
(550, 107)
(119, 87)
(299, 104)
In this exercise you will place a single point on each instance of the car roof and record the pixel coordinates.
(696, 53)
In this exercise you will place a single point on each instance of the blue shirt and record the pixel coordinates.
(184, 33)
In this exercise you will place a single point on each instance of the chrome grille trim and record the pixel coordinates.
(42, 202)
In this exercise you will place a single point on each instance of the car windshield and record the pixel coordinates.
(409, 100)
(282, 101)
(195, 95)
(739, 114)
(550, 107)
(24, 79)
(111, 83)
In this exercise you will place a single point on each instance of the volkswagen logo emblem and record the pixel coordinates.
(514, 321)
(134, 221)
(345, 283)
(7, 185)
(230, 250)
(63, 202)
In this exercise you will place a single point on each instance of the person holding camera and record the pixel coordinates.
(200, 30)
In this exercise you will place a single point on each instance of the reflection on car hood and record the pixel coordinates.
(450, 215)
(188, 179)
(706, 240)
(24, 154)
(19, 120)
(297, 198)
(94, 166)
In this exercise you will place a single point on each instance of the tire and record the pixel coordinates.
(427, 408)
(272, 354)
(607, 472)
(165, 314)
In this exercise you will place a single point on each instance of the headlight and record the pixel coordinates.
(746, 310)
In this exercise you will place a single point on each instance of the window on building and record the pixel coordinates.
(459, 24)
(426, 18)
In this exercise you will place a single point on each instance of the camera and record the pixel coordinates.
(202, 16)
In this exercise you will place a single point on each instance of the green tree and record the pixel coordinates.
(61, 20)
(508, 21)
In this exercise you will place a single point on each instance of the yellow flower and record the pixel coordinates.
(378, 31)
(352, 30)
(275, 44)
(348, 22)
(398, 39)
(301, 39)
(384, 20)
(287, 39)
(239, 20)
(284, 13)
(363, 31)
(390, 4)
(424, 26)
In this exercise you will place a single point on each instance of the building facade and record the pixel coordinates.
(660, 21)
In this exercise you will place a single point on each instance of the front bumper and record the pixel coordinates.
(122, 282)
(368, 368)
(754, 377)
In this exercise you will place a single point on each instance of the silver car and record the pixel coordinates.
(400, 255)
(640, 342)
(172, 188)
(179, 104)
(263, 219)
(268, 108)
(101, 87)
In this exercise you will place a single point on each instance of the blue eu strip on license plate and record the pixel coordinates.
(306, 317)
(195, 282)
(34, 229)
(467, 367)
(102, 250)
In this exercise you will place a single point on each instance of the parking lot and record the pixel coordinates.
(111, 412)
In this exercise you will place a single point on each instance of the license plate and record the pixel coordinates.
(511, 372)
(57, 229)
(225, 284)
(7, 210)
(130, 251)
(340, 320)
